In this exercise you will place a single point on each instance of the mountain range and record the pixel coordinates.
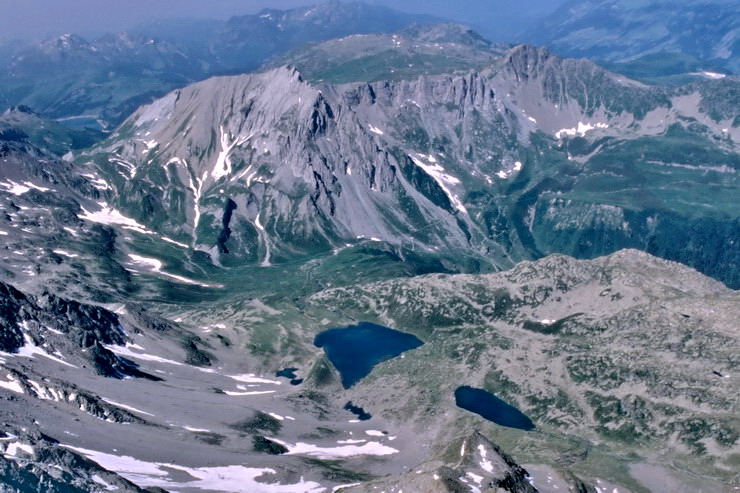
(98, 83)
(625, 30)
(212, 257)
(533, 155)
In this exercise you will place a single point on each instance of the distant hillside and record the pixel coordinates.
(624, 30)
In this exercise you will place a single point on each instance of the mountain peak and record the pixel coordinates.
(66, 42)
(22, 108)
(446, 32)
(528, 52)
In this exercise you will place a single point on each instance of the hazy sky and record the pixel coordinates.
(43, 18)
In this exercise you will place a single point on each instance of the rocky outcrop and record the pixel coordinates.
(35, 462)
(475, 465)
(77, 331)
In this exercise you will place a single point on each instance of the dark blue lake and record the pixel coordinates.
(356, 349)
(361, 414)
(289, 373)
(492, 408)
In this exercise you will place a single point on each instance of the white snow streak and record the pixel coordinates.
(110, 216)
(156, 266)
(128, 353)
(126, 407)
(370, 448)
(254, 392)
(223, 165)
(437, 172)
(250, 378)
(65, 253)
(196, 430)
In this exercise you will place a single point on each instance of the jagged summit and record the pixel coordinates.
(66, 42)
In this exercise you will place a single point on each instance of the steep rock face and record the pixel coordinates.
(295, 160)
(259, 166)
(49, 326)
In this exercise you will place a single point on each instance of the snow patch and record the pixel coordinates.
(376, 130)
(102, 482)
(710, 75)
(12, 384)
(196, 185)
(110, 216)
(230, 479)
(13, 448)
(251, 378)
(337, 488)
(443, 179)
(156, 266)
(96, 181)
(580, 130)
(20, 189)
(29, 350)
(477, 479)
(484, 462)
(240, 394)
(170, 240)
(14, 188)
(326, 453)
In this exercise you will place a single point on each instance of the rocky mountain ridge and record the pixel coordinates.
(429, 158)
